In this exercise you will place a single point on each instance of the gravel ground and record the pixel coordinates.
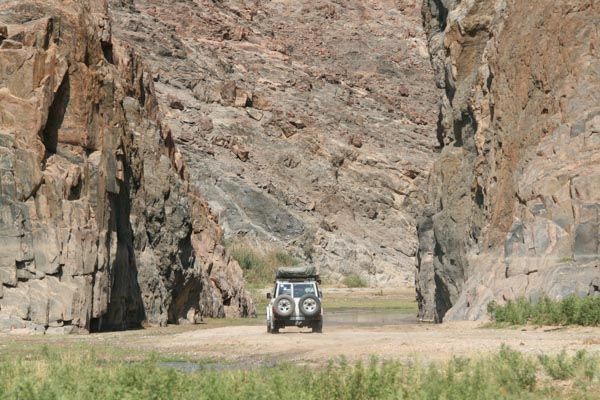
(246, 342)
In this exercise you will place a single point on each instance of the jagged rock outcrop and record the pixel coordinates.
(308, 124)
(98, 226)
(515, 195)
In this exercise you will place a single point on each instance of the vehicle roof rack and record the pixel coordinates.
(315, 278)
(300, 273)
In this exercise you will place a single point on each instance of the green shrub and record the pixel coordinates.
(258, 263)
(354, 281)
(589, 365)
(572, 310)
(563, 367)
(515, 369)
(559, 367)
(248, 259)
(285, 259)
(589, 311)
(517, 313)
(547, 312)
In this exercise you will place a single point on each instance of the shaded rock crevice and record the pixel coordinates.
(56, 115)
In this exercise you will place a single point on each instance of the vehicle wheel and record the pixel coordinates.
(284, 305)
(309, 305)
(318, 327)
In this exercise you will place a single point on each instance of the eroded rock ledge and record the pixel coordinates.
(98, 226)
(515, 194)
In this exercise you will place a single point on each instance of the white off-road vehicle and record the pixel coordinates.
(296, 300)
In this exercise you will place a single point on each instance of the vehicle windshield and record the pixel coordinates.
(300, 289)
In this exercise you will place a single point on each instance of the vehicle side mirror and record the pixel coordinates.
(269, 296)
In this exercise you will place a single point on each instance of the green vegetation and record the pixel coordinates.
(259, 262)
(572, 310)
(354, 281)
(63, 374)
(563, 367)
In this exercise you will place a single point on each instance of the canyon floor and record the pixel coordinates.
(357, 332)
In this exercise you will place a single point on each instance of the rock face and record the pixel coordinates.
(310, 124)
(98, 226)
(515, 195)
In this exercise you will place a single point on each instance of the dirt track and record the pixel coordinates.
(426, 342)
(252, 344)
(247, 342)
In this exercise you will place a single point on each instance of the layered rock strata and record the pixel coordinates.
(98, 226)
(309, 125)
(515, 195)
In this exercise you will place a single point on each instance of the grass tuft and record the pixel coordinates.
(259, 262)
(354, 281)
(572, 310)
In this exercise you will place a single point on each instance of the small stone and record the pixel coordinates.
(205, 124)
(238, 33)
(61, 330)
(372, 214)
(176, 105)
(298, 124)
(164, 52)
(241, 153)
(185, 136)
(254, 114)
(242, 98)
(8, 44)
(228, 93)
(11, 322)
(261, 103)
(289, 161)
(403, 91)
(356, 141)
(328, 224)
(418, 119)
(288, 131)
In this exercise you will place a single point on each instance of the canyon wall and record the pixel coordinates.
(514, 198)
(99, 227)
(308, 125)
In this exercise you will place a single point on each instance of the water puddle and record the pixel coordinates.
(191, 367)
(183, 366)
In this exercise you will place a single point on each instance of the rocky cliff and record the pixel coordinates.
(99, 228)
(309, 125)
(515, 195)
